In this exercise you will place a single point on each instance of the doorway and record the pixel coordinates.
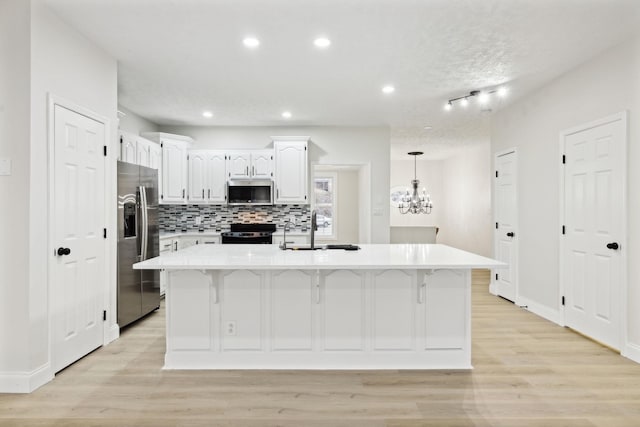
(77, 232)
(506, 219)
(337, 201)
(593, 247)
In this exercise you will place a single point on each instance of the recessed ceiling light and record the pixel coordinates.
(448, 106)
(427, 127)
(388, 89)
(286, 114)
(322, 42)
(251, 42)
(483, 97)
(502, 91)
(207, 114)
(464, 102)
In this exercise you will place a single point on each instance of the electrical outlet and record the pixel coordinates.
(230, 328)
(198, 220)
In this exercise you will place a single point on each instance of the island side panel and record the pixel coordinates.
(319, 319)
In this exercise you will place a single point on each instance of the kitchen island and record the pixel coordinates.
(398, 306)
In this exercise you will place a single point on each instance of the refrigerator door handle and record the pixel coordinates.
(145, 222)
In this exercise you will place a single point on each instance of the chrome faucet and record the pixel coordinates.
(314, 228)
(287, 227)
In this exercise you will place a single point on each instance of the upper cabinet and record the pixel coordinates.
(207, 177)
(254, 164)
(291, 169)
(173, 171)
(128, 147)
(140, 151)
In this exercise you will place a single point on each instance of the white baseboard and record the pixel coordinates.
(493, 288)
(632, 351)
(25, 382)
(114, 333)
(545, 312)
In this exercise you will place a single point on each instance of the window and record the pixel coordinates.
(325, 199)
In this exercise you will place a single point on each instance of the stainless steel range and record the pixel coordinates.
(249, 234)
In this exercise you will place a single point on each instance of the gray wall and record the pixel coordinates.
(608, 84)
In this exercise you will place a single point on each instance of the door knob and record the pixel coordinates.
(615, 246)
(511, 234)
(63, 251)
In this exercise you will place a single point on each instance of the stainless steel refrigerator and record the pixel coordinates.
(138, 240)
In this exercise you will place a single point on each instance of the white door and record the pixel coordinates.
(174, 172)
(143, 152)
(128, 147)
(155, 155)
(262, 164)
(505, 233)
(197, 177)
(291, 172)
(216, 177)
(239, 165)
(593, 250)
(78, 219)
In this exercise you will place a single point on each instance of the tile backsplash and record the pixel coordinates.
(220, 217)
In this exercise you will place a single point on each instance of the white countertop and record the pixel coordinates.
(270, 257)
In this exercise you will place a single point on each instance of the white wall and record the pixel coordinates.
(429, 172)
(348, 209)
(329, 145)
(135, 123)
(465, 210)
(608, 84)
(67, 65)
(15, 39)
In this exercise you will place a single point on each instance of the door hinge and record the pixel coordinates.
(161, 145)
(104, 315)
(564, 159)
(105, 232)
(105, 150)
(496, 276)
(187, 157)
(162, 196)
(120, 140)
(305, 148)
(563, 229)
(496, 174)
(496, 225)
(563, 300)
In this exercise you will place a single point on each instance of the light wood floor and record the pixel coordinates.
(528, 372)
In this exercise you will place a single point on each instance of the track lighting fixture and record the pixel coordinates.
(482, 95)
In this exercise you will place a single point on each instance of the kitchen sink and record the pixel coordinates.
(323, 247)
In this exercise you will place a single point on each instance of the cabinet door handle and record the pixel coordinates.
(203, 193)
(208, 193)
(253, 170)
(247, 171)
(175, 246)
(277, 193)
(183, 193)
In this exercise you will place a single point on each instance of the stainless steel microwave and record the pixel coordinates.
(250, 192)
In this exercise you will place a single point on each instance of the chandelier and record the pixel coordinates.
(415, 202)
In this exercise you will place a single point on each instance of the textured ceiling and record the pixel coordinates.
(177, 58)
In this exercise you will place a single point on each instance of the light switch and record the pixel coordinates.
(5, 167)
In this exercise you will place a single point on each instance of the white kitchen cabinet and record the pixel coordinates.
(262, 164)
(255, 164)
(207, 178)
(173, 173)
(167, 245)
(197, 177)
(139, 151)
(291, 170)
(238, 164)
(186, 242)
(128, 147)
